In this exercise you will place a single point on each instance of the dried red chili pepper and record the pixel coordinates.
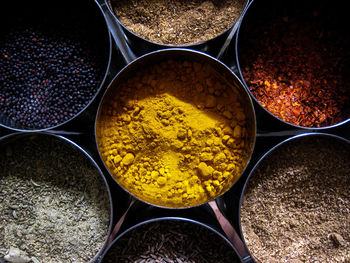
(295, 68)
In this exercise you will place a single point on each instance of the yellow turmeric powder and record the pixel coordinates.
(174, 134)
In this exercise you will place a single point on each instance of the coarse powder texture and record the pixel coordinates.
(171, 241)
(296, 207)
(174, 134)
(297, 66)
(178, 22)
(53, 202)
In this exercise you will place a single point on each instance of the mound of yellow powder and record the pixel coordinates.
(174, 135)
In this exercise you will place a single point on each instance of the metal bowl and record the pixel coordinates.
(37, 177)
(178, 54)
(259, 14)
(64, 17)
(141, 45)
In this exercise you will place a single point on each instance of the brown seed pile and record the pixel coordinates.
(296, 207)
(54, 206)
(171, 241)
(178, 22)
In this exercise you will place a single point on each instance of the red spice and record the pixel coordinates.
(295, 68)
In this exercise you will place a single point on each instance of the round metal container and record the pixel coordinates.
(259, 14)
(169, 241)
(178, 54)
(84, 18)
(305, 187)
(141, 45)
(39, 179)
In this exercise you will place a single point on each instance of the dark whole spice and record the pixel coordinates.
(171, 241)
(46, 76)
(178, 22)
(48, 209)
(296, 204)
(296, 66)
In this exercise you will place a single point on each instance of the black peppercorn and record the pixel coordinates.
(44, 74)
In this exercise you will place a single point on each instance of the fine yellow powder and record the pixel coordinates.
(174, 135)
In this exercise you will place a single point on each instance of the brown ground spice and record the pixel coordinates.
(171, 241)
(296, 207)
(178, 22)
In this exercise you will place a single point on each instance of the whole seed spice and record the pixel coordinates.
(178, 22)
(174, 134)
(171, 241)
(54, 205)
(297, 67)
(296, 207)
(46, 76)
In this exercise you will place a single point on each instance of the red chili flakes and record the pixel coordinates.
(295, 69)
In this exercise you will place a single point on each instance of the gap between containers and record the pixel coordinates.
(263, 139)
